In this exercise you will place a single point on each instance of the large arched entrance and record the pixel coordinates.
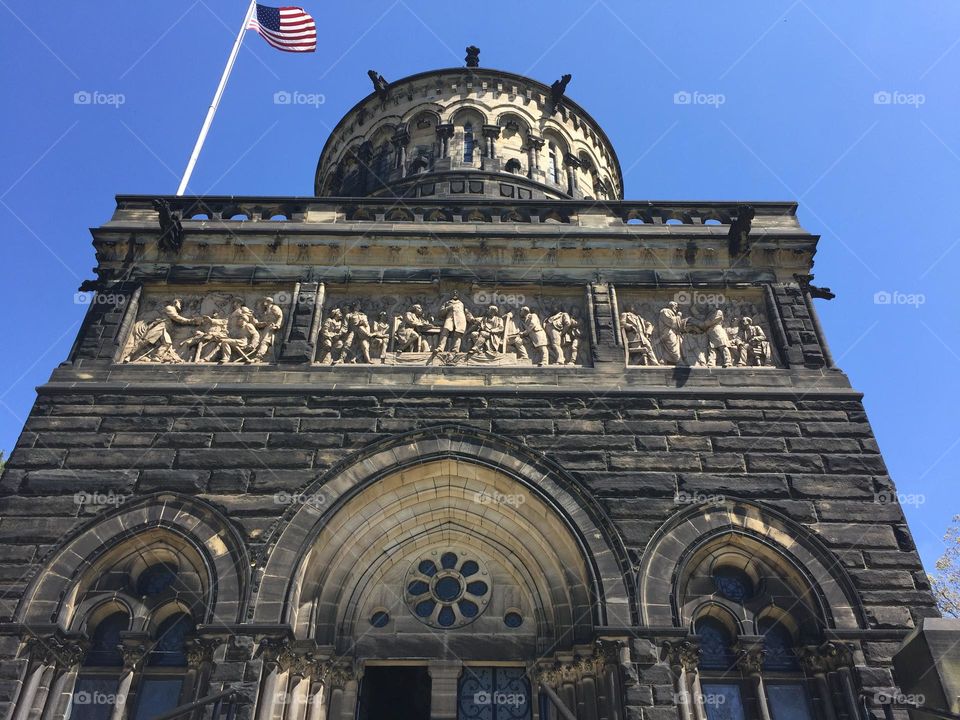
(452, 584)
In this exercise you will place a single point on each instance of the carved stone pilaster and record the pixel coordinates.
(300, 342)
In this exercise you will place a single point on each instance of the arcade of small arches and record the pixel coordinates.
(459, 565)
(462, 138)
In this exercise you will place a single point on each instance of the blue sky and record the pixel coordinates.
(850, 108)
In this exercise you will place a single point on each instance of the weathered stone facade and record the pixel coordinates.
(571, 506)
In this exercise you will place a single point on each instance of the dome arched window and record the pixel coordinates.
(468, 143)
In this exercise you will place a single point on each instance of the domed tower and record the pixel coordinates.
(469, 131)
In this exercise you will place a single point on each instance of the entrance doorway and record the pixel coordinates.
(395, 693)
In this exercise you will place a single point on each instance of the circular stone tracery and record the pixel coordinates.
(448, 589)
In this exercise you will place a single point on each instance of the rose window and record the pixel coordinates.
(449, 589)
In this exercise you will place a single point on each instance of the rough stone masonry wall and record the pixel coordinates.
(814, 460)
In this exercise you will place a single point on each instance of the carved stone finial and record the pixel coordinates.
(379, 83)
(171, 231)
(473, 56)
(739, 235)
(557, 91)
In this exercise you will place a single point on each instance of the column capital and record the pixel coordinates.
(445, 130)
(200, 650)
(535, 141)
(491, 131)
(750, 653)
(682, 654)
(827, 657)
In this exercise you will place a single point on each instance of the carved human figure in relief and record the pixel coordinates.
(752, 346)
(636, 336)
(719, 340)
(157, 337)
(488, 335)
(670, 328)
(331, 338)
(269, 325)
(410, 334)
(245, 339)
(379, 337)
(356, 344)
(455, 318)
(535, 334)
(563, 337)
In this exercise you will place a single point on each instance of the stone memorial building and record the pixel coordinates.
(464, 434)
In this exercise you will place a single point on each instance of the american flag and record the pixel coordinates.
(288, 28)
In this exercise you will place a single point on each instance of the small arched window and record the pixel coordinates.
(716, 644)
(162, 683)
(778, 647)
(95, 691)
(468, 143)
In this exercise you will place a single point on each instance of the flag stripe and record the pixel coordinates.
(287, 28)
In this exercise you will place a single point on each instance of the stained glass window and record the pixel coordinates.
(715, 644)
(468, 143)
(788, 701)
(722, 701)
(155, 579)
(778, 644)
(733, 584)
(170, 645)
(105, 644)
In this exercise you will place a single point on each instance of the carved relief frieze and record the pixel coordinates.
(228, 326)
(451, 326)
(694, 327)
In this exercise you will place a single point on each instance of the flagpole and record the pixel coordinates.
(216, 100)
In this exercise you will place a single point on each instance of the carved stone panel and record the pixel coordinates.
(236, 325)
(725, 328)
(453, 325)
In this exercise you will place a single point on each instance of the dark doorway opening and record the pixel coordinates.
(395, 693)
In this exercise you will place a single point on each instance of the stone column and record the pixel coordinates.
(444, 133)
(571, 163)
(199, 665)
(341, 688)
(133, 648)
(750, 654)
(444, 677)
(683, 657)
(534, 146)
(490, 135)
(276, 656)
(400, 141)
(69, 654)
